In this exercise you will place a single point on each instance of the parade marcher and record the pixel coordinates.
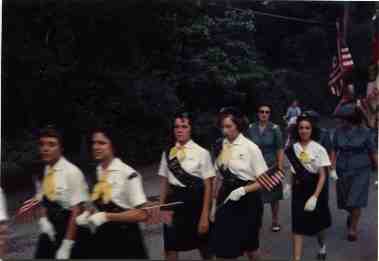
(268, 137)
(3, 224)
(238, 217)
(186, 173)
(116, 198)
(354, 156)
(310, 209)
(292, 112)
(62, 190)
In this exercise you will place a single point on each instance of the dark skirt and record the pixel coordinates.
(273, 196)
(113, 240)
(237, 224)
(182, 234)
(353, 189)
(59, 218)
(304, 222)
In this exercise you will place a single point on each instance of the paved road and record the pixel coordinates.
(275, 246)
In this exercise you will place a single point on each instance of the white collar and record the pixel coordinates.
(115, 165)
(237, 141)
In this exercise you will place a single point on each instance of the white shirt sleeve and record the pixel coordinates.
(323, 158)
(258, 163)
(79, 188)
(207, 170)
(163, 169)
(3, 207)
(135, 193)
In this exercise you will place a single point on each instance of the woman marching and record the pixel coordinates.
(269, 139)
(116, 198)
(242, 170)
(354, 156)
(63, 190)
(186, 173)
(310, 209)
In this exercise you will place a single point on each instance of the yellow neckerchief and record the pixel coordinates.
(102, 189)
(48, 184)
(225, 155)
(178, 151)
(304, 156)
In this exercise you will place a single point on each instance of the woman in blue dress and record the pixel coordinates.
(268, 137)
(354, 155)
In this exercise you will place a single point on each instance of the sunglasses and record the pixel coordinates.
(265, 112)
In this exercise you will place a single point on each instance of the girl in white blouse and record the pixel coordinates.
(186, 172)
(310, 209)
(117, 198)
(241, 166)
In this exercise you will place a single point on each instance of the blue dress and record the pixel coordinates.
(269, 142)
(353, 166)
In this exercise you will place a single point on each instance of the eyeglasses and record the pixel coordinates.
(265, 112)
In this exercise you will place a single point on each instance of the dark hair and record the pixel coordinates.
(315, 135)
(263, 104)
(111, 134)
(183, 115)
(236, 116)
(52, 132)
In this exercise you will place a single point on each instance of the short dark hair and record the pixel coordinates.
(236, 116)
(183, 115)
(111, 134)
(315, 135)
(264, 104)
(51, 131)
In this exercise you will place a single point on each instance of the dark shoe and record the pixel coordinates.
(275, 228)
(352, 237)
(321, 256)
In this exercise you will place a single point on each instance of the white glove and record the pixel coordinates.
(310, 205)
(98, 219)
(64, 250)
(287, 191)
(236, 194)
(82, 219)
(47, 228)
(212, 214)
(333, 174)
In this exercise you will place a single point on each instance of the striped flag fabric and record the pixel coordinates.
(271, 178)
(28, 210)
(342, 64)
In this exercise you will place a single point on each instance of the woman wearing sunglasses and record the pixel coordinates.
(268, 137)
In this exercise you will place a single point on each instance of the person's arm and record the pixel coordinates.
(71, 226)
(320, 183)
(279, 146)
(132, 216)
(164, 186)
(333, 159)
(204, 218)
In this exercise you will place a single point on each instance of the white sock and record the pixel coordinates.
(322, 249)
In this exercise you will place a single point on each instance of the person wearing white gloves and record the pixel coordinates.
(310, 209)
(62, 190)
(116, 199)
(238, 216)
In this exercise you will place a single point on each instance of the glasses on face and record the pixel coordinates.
(264, 112)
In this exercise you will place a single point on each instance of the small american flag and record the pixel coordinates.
(28, 211)
(342, 64)
(271, 178)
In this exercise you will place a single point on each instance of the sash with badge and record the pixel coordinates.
(174, 157)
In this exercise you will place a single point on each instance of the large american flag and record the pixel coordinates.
(342, 64)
